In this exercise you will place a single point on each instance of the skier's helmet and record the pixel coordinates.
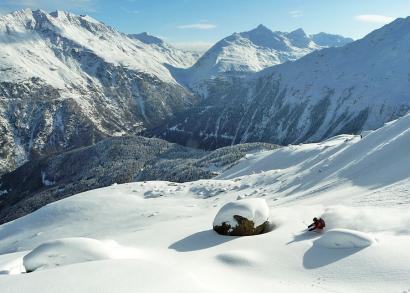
(314, 219)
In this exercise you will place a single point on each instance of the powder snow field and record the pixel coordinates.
(361, 187)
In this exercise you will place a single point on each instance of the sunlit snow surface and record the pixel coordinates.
(361, 187)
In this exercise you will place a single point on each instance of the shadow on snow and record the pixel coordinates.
(200, 240)
(318, 256)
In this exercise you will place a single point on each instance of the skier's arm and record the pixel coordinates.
(311, 225)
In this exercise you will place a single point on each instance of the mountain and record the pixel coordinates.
(255, 50)
(67, 81)
(176, 57)
(332, 91)
(330, 40)
(157, 236)
(110, 161)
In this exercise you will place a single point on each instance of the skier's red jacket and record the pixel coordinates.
(317, 224)
(320, 224)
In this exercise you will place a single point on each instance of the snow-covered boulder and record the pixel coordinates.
(67, 251)
(344, 238)
(243, 218)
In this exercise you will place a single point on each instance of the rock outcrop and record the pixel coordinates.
(246, 217)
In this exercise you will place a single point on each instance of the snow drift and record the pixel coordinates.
(343, 238)
(68, 251)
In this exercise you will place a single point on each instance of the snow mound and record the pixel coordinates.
(253, 209)
(68, 251)
(343, 238)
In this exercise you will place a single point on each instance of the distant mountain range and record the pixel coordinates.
(356, 87)
(255, 50)
(69, 81)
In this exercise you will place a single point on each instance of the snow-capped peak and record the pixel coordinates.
(58, 21)
(46, 30)
(260, 30)
(265, 38)
(251, 51)
(300, 39)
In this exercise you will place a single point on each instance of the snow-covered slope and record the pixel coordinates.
(67, 80)
(346, 165)
(176, 57)
(332, 91)
(359, 186)
(255, 50)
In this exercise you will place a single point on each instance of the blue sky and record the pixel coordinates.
(199, 23)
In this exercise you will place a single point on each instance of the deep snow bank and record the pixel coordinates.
(343, 238)
(70, 251)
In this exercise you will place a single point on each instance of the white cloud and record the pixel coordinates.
(296, 13)
(198, 26)
(199, 47)
(374, 18)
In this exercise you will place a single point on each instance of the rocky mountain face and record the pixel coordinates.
(338, 90)
(252, 51)
(113, 160)
(173, 56)
(68, 81)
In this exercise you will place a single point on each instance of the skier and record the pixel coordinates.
(318, 224)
